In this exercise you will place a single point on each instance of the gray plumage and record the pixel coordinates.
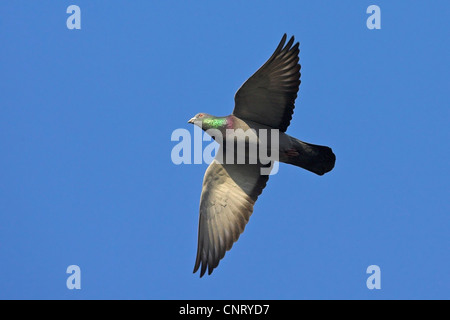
(265, 101)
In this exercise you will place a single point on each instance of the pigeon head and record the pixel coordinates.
(199, 117)
(206, 121)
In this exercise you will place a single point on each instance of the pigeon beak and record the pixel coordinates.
(191, 120)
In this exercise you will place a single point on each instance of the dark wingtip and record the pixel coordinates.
(203, 268)
(202, 272)
(289, 44)
(281, 44)
(196, 266)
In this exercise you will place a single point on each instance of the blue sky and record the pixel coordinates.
(86, 176)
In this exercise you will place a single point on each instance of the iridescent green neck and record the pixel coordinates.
(214, 123)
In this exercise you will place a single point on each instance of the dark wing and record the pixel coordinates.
(228, 195)
(268, 96)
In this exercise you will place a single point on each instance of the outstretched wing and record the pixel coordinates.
(268, 96)
(228, 195)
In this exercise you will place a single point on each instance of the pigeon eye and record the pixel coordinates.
(200, 115)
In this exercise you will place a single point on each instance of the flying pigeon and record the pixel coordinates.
(230, 189)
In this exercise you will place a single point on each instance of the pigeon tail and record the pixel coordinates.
(314, 158)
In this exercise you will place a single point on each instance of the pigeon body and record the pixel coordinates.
(265, 102)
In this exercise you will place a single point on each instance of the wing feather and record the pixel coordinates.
(268, 96)
(228, 196)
